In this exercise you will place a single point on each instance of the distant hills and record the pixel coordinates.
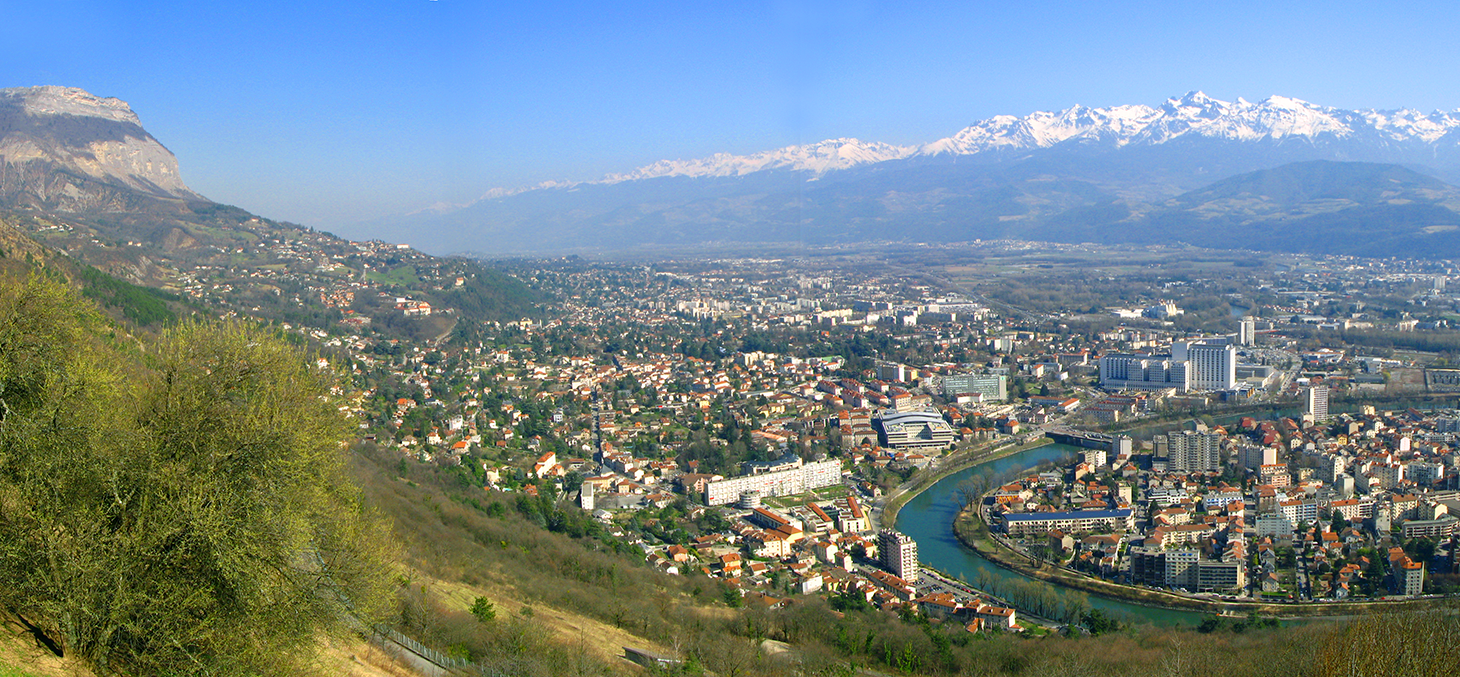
(1319, 207)
(1105, 174)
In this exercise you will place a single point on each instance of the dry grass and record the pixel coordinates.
(602, 641)
(358, 658)
(21, 656)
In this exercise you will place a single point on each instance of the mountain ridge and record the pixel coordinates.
(1322, 207)
(1105, 174)
(1195, 113)
(81, 179)
(1008, 176)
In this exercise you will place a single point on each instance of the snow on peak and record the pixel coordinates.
(820, 157)
(1193, 114)
(1042, 130)
(497, 193)
(1406, 123)
(1194, 98)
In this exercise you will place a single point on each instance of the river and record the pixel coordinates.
(928, 519)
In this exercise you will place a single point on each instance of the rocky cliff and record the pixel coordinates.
(67, 150)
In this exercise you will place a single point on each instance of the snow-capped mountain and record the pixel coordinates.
(1118, 124)
(824, 156)
(1042, 175)
(1194, 115)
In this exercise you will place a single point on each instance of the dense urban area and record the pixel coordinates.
(1238, 428)
(745, 418)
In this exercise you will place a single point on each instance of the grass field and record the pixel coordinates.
(601, 640)
(403, 276)
(822, 494)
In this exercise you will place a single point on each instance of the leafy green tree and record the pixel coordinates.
(1211, 623)
(187, 516)
(1098, 623)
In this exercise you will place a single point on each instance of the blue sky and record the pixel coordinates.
(327, 113)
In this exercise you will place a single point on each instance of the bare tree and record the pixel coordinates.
(971, 490)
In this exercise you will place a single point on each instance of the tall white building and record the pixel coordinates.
(1247, 332)
(1142, 371)
(1316, 402)
(1210, 365)
(1190, 451)
(899, 554)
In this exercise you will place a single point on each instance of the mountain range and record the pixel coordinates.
(1062, 176)
(1278, 174)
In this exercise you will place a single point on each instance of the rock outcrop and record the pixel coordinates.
(66, 150)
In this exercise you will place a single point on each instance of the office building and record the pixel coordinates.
(891, 371)
(1216, 575)
(1185, 569)
(1252, 456)
(993, 387)
(1181, 569)
(1207, 364)
(1211, 363)
(1274, 525)
(914, 430)
(1142, 372)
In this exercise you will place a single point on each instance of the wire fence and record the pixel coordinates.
(383, 633)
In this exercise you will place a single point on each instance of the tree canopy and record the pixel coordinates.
(182, 511)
